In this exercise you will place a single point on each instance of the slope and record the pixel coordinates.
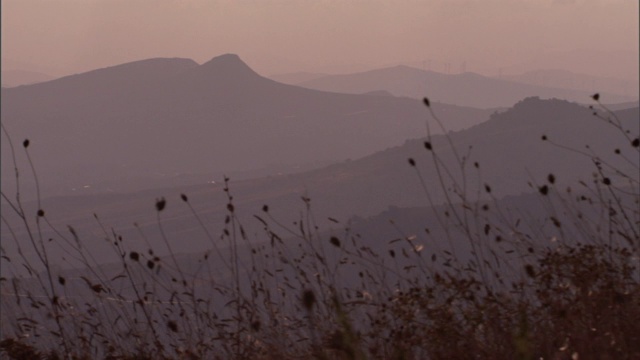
(137, 124)
(511, 155)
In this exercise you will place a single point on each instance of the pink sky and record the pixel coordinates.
(599, 37)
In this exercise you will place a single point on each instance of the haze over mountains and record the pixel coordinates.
(336, 179)
(295, 78)
(123, 136)
(511, 155)
(570, 80)
(466, 89)
(144, 122)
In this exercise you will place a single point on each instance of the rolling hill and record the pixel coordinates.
(511, 155)
(156, 122)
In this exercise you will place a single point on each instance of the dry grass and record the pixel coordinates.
(299, 293)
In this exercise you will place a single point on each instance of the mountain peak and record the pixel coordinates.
(228, 57)
(228, 63)
(158, 66)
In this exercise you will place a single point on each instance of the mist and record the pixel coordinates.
(322, 179)
(596, 37)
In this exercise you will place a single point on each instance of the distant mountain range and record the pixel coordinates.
(295, 78)
(569, 80)
(151, 122)
(512, 159)
(467, 89)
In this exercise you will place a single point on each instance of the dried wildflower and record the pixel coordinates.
(308, 299)
(544, 189)
(255, 325)
(530, 270)
(172, 325)
(160, 204)
(335, 241)
(134, 256)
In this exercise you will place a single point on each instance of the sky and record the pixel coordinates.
(59, 37)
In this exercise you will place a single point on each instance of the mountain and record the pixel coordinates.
(155, 122)
(467, 89)
(511, 155)
(569, 80)
(621, 64)
(296, 77)
(623, 106)
(12, 78)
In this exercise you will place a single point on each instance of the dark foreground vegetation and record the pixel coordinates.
(489, 286)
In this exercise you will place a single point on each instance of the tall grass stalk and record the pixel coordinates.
(490, 283)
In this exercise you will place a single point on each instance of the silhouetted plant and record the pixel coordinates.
(297, 293)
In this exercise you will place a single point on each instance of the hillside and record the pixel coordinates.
(12, 78)
(156, 122)
(512, 159)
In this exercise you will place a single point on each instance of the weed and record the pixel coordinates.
(498, 288)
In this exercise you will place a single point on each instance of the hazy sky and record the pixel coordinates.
(276, 36)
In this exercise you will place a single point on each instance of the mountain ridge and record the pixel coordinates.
(511, 155)
(468, 89)
(217, 117)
